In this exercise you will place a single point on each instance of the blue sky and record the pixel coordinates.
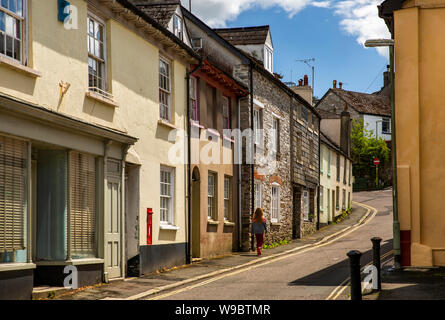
(329, 31)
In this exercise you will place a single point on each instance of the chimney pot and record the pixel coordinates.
(334, 84)
(340, 85)
(300, 83)
(306, 80)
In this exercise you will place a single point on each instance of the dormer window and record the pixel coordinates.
(268, 59)
(178, 26)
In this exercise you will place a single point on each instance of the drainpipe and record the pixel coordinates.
(319, 174)
(396, 223)
(189, 157)
(240, 159)
(253, 146)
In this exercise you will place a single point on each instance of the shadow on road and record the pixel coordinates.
(337, 273)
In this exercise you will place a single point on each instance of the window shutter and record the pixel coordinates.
(83, 204)
(13, 154)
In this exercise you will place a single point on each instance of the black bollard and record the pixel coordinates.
(356, 281)
(376, 259)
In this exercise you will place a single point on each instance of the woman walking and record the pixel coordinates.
(259, 228)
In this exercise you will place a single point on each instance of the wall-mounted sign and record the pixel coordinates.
(63, 10)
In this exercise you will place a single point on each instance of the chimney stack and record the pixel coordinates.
(387, 77)
(306, 80)
(334, 84)
(345, 131)
(300, 82)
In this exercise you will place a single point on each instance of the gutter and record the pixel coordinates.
(189, 166)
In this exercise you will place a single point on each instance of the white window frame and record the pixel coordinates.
(305, 206)
(275, 134)
(275, 203)
(257, 125)
(178, 29)
(212, 206)
(170, 198)
(388, 122)
(227, 198)
(23, 21)
(258, 192)
(167, 92)
(268, 58)
(101, 61)
(321, 199)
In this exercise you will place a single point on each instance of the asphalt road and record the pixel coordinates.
(310, 275)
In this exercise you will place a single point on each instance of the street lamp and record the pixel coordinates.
(396, 224)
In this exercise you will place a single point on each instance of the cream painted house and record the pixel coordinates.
(336, 178)
(88, 112)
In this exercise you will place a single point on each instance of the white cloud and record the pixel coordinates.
(360, 19)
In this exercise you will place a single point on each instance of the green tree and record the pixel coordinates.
(365, 148)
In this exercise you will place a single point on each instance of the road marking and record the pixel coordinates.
(346, 283)
(320, 244)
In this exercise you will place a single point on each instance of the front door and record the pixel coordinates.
(113, 228)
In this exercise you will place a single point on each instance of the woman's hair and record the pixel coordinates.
(258, 216)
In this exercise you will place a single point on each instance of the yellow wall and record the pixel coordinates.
(61, 55)
(420, 128)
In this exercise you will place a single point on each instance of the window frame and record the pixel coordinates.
(305, 203)
(214, 197)
(321, 199)
(194, 99)
(24, 33)
(227, 119)
(228, 199)
(104, 61)
(258, 190)
(275, 135)
(171, 198)
(387, 122)
(268, 58)
(275, 216)
(168, 92)
(258, 125)
(178, 30)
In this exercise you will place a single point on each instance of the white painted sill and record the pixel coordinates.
(6, 62)
(212, 222)
(275, 223)
(73, 262)
(100, 98)
(167, 124)
(229, 224)
(168, 227)
(301, 122)
(4, 267)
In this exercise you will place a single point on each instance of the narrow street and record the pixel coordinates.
(314, 273)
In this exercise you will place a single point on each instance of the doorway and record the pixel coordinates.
(296, 210)
(196, 213)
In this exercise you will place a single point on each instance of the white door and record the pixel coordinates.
(113, 229)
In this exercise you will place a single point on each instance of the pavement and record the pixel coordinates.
(156, 283)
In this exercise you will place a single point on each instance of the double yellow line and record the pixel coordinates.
(320, 244)
(347, 283)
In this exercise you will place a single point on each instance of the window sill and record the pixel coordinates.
(275, 223)
(168, 227)
(300, 162)
(212, 222)
(98, 97)
(16, 266)
(312, 168)
(73, 262)
(6, 62)
(167, 124)
(213, 132)
(228, 139)
(301, 122)
(229, 224)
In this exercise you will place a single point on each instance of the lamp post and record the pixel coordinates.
(396, 224)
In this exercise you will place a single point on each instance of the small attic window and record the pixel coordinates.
(268, 59)
(178, 26)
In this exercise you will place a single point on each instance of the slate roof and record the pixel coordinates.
(245, 36)
(160, 10)
(324, 114)
(374, 104)
(327, 141)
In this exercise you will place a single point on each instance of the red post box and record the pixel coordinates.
(149, 226)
